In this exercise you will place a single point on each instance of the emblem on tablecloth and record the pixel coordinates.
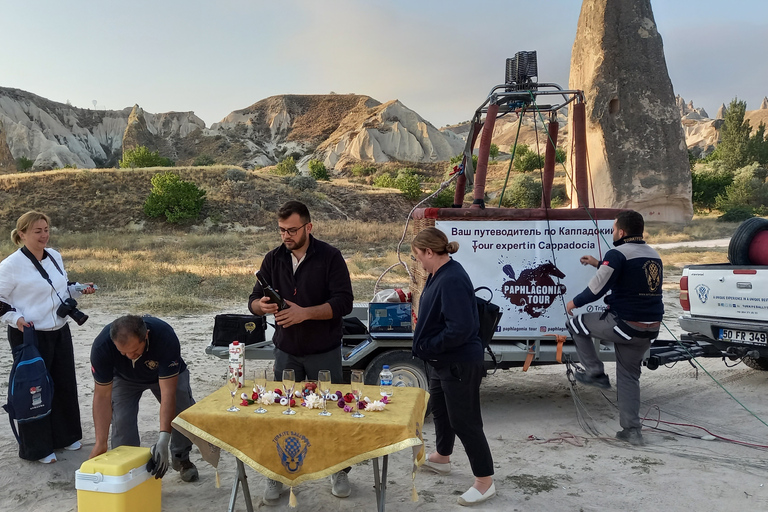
(292, 449)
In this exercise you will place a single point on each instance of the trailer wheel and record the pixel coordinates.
(405, 369)
(756, 363)
(738, 248)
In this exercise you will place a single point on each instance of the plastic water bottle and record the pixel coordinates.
(385, 381)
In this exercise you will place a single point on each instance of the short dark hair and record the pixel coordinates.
(631, 222)
(292, 207)
(126, 326)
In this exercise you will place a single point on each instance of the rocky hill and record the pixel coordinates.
(337, 129)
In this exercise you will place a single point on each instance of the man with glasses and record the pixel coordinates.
(313, 279)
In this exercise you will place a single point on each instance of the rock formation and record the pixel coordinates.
(764, 104)
(688, 111)
(637, 153)
(159, 132)
(721, 112)
(7, 162)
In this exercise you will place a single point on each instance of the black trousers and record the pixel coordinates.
(62, 427)
(454, 390)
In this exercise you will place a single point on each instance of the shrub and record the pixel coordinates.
(560, 156)
(708, 182)
(360, 170)
(407, 181)
(174, 198)
(235, 175)
(526, 160)
(287, 167)
(523, 192)
(737, 214)
(141, 156)
(302, 182)
(385, 180)
(318, 171)
(444, 199)
(24, 164)
(493, 152)
(203, 160)
(749, 189)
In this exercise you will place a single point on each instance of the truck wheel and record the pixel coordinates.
(756, 363)
(738, 248)
(403, 366)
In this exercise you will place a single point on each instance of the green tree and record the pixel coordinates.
(524, 192)
(287, 167)
(708, 181)
(141, 156)
(529, 161)
(407, 181)
(757, 147)
(24, 164)
(174, 198)
(749, 189)
(560, 155)
(318, 171)
(494, 151)
(732, 150)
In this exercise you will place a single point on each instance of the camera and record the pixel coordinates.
(69, 307)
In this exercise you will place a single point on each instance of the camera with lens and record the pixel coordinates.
(69, 307)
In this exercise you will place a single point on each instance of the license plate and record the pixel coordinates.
(749, 337)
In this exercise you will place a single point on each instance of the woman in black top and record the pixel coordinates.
(446, 337)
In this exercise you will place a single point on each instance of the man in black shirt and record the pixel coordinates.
(129, 356)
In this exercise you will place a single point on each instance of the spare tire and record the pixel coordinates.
(738, 248)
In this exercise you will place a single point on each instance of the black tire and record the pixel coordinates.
(401, 364)
(738, 248)
(756, 363)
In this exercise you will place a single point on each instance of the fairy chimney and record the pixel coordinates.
(637, 153)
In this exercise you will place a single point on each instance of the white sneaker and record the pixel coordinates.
(340, 485)
(74, 446)
(49, 459)
(473, 496)
(272, 492)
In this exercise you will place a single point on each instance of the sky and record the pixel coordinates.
(438, 57)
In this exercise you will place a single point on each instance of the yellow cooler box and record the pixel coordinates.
(118, 481)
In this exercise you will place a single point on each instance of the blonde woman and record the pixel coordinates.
(30, 301)
(446, 337)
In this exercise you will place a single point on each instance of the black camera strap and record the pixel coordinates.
(26, 252)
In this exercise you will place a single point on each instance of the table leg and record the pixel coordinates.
(240, 478)
(380, 483)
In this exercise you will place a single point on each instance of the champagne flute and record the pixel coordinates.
(357, 391)
(260, 386)
(233, 384)
(324, 383)
(289, 381)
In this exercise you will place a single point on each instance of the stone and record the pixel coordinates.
(7, 162)
(764, 104)
(637, 153)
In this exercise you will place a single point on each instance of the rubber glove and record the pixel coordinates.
(161, 455)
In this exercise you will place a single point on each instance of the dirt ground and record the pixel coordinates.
(544, 460)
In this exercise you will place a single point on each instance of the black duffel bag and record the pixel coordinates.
(247, 329)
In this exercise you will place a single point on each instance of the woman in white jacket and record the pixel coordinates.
(29, 301)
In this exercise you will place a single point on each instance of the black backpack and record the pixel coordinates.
(30, 388)
(490, 315)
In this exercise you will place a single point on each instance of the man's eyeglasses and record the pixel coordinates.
(291, 231)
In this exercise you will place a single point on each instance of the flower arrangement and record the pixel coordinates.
(311, 398)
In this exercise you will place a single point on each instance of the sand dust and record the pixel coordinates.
(527, 416)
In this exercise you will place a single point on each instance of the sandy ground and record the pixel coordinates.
(524, 413)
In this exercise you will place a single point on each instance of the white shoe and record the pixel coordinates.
(340, 485)
(441, 468)
(74, 446)
(473, 496)
(272, 492)
(49, 459)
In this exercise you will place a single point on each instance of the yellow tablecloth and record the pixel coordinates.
(304, 446)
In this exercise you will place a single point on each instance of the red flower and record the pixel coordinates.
(279, 391)
(349, 397)
(293, 402)
(254, 396)
(244, 402)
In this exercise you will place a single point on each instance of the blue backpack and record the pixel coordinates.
(30, 388)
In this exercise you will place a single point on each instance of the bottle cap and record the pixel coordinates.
(235, 342)
(385, 367)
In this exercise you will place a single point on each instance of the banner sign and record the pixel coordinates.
(532, 266)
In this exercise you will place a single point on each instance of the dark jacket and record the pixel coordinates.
(448, 324)
(633, 272)
(321, 277)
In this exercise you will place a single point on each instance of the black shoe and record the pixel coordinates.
(631, 435)
(599, 381)
(186, 469)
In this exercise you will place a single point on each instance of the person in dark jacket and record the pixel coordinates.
(313, 279)
(633, 272)
(446, 337)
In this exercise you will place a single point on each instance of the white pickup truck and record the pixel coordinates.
(727, 304)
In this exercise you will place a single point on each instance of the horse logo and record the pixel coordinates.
(703, 292)
(292, 449)
(535, 290)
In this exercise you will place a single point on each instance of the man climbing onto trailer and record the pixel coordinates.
(633, 274)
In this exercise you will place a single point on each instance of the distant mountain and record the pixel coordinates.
(337, 129)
